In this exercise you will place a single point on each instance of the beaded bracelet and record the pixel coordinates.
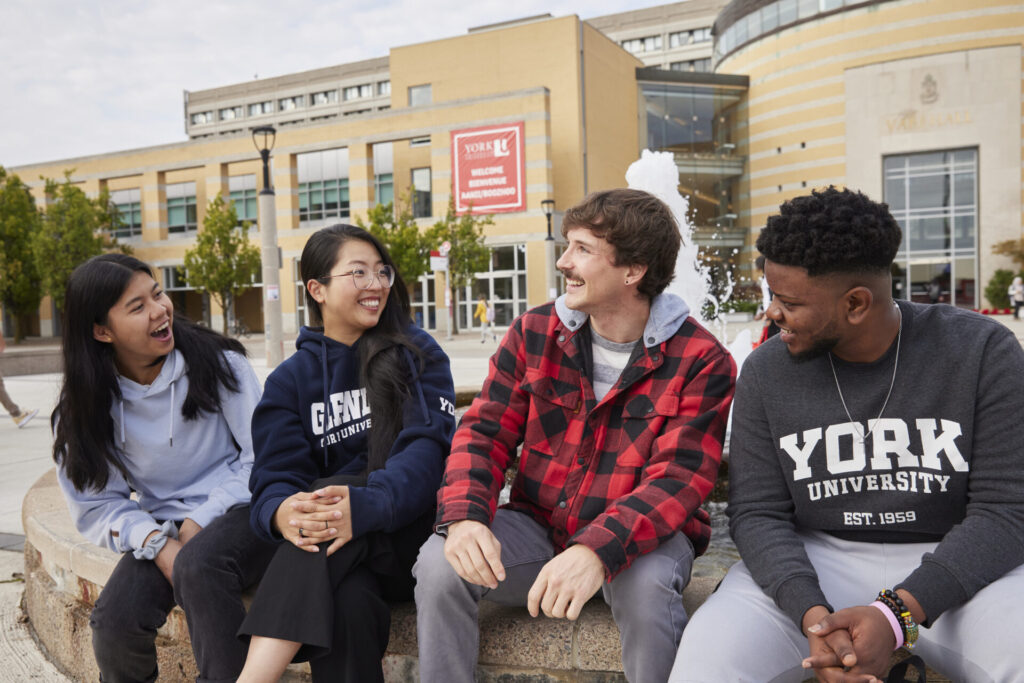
(906, 620)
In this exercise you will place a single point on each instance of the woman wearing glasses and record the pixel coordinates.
(350, 438)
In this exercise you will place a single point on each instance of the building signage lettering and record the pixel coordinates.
(915, 121)
(489, 169)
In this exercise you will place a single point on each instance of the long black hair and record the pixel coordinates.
(383, 368)
(84, 442)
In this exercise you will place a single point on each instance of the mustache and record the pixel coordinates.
(570, 275)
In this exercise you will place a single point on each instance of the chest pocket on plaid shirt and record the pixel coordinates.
(553, 406)
(641, 421)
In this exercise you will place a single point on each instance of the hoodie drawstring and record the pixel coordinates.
(170, 426)
(327, 405)
(120, 405)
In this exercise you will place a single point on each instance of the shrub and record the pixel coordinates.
(996, 290)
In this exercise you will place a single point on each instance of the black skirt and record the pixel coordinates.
(294, 600)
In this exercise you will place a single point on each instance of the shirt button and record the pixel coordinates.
(655, 358)
(650, 409)
(580, 461)
(572, 323)
(561, 504)
(561, 337)
(650, 340)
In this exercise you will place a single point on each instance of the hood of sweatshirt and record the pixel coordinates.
(164, 387)
(668, 312)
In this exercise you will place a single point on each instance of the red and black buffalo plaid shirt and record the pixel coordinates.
(621, 475)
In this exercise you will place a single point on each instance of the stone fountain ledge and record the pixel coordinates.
(64, 574)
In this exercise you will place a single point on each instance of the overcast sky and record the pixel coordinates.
(80, 78)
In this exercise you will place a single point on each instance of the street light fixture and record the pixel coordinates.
(270, 254)
(548, 207)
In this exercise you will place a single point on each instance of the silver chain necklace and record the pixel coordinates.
(862, 435)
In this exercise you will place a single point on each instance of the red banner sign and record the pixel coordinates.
(489, 169)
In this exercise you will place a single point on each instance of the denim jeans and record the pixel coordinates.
(210, 573)
(646, 601)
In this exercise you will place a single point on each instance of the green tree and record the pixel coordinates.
(397, 230)
(72, 232)
(19, 280)
(223, 262)
(467, 256)
(998, 289)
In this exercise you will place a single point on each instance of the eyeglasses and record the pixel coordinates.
(363, 279)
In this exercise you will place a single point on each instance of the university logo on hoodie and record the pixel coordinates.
(348, 413)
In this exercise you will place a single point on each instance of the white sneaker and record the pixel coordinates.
(23, 418)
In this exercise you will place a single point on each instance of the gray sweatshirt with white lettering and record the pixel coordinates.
(945, 463)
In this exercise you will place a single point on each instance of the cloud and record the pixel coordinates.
(89, 78)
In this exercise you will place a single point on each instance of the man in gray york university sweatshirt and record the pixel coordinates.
(876, 445)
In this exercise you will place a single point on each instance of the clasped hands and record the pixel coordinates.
(561, 588)
(852, 645)
(308, 519)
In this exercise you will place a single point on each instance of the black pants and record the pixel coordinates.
(210, 574)
(337, 606)
(1016, 309)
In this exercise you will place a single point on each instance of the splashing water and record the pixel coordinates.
(656, 172)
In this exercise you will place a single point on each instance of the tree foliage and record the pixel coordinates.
(468, 255)
(71, 233)
(20, 286)
(998, 289)
(223, 261)
(397, 230)
(1012, 248)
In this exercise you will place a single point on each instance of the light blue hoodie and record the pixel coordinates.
(196, 469)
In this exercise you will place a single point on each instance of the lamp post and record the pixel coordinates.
(270, 254)
(548, 207)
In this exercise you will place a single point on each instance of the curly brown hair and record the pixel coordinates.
(639, 226)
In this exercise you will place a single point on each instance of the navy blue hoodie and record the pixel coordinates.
(297, 441)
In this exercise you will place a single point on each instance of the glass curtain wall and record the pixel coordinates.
(934, 196)
(504, 285)
(323, 186)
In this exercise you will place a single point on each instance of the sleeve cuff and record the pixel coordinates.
(136, 534)
(799, 594)
(206, 513)
(605, 545)
(935, 589)
(369, 509)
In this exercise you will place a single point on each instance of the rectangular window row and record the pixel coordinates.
(695, 65)
(681, 38)
(383, 88)
(645, 44)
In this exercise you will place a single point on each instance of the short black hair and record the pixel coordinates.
(832, 231)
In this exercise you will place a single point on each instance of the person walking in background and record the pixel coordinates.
(485, 313)
(20, 417)
(1017, 296)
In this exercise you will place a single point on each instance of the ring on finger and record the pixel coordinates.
(302, 532)
(326, 526)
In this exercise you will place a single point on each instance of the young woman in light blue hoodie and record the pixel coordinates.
(350, 438)
(155, 406)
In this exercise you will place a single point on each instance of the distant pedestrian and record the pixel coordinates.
(1017, 296)
(485, 313)
(20, 417)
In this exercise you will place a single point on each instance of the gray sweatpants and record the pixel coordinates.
(646, 602)
(739, 634)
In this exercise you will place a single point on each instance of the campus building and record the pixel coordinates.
(915, 102)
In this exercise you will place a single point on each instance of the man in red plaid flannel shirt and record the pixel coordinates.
(619, 400)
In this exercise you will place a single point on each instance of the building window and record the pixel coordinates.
(202, 117)
(323, 185)
(242, 190)
(325, 97)
(383, 173)
(301, 312)
(230, 113)
(181, 207)
(421, 207)
(419, 142)
(423, 302)
(127, 208)
(260, 108)
(289, 103)
(356, 111)
(384, 88)
(682, 38)
(504, 285)
(639, 45)
(356, 92)
(934, 197)
(420, 95)
(697, 65)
